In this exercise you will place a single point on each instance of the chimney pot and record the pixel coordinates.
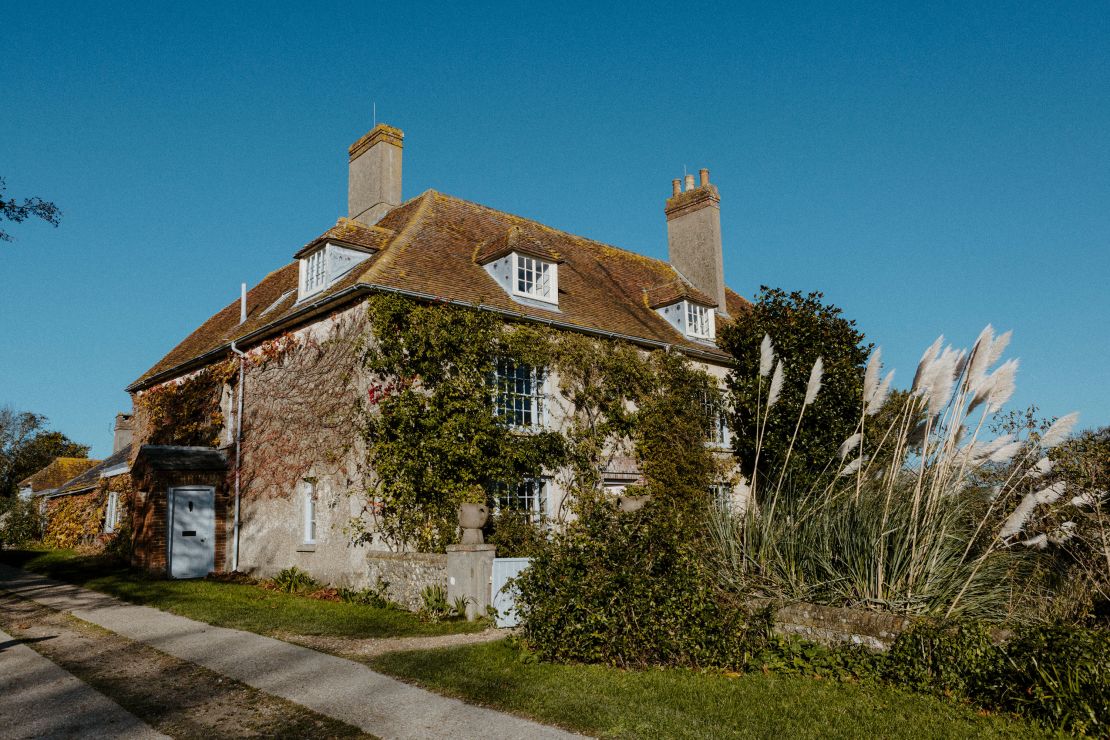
(704, 176)
(676, 186)
(694, 243)
(689, 183)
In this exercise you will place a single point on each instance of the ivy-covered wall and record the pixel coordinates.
(77, 520)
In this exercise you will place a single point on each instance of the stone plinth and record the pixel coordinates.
(469, 573)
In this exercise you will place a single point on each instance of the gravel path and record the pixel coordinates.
(336, 687)
(362, 648)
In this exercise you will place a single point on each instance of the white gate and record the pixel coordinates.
(502, 593)
(192, 531)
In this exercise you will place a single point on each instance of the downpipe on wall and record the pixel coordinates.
(238, 445)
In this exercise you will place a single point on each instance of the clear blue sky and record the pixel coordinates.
(930, 170)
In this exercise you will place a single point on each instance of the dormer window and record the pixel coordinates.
(699, 321)
(535, 278)
(325, 264)
(314, 272)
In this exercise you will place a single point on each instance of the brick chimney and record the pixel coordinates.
(123, 432)
(694, 236)
(374, 184)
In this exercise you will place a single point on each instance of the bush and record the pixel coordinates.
(515, 535)
(629, 590)
(21, 523)
(1059, 676)
(376, 596)
(435, 608)
(294, 580)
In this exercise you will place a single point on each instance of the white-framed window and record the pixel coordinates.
(112, 513)
(699, 321)
(519, 397)
(529, 497)
(534, 278)
(720, 435)
(315, 272)
(309, 496)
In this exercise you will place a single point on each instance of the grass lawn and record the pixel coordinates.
(227, 604)
(675, 703)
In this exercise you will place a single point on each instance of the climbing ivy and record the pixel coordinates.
(433, 442)
(431, 439)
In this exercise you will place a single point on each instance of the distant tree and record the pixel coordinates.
(802, 328)
(17, 212)
(27, 446)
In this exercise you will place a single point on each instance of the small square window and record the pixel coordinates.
(535, 279)
(699, 321)
(720, 435)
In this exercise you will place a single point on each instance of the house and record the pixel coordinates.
(46, 481)
(90, 506)
(269, 486)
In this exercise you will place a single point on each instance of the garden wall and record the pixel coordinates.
(407, 574)
(831, 625)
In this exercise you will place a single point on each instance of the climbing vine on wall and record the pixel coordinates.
(431, 438)
(186, 412)
(433, 441)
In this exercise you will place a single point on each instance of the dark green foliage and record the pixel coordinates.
(957, 659)
(431, 436)
(802, 328)
(1058, 676)
(515, 534)
(376, 596)
(628, 590)
(20, 522)
(27, 446)
(17, 212)
(435, 607)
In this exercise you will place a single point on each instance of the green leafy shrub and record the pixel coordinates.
(1059, 676)
(952, 659)
(627, 590)
(294, 580)
(375, 596)
(515, 534)
(20, 523)
(435, 607)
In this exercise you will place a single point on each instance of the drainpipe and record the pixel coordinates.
(238, 432)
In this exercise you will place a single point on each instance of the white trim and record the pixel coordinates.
(308, 514)
(112, 513)
(544, 283)
(116, 470)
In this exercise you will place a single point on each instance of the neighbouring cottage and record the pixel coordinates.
(233, 470)
(46, 481)
(91, 507)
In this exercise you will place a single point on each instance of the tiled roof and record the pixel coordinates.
(180, 458)
(91, 477)
(674, 291)
(60, 470)
(433, 246)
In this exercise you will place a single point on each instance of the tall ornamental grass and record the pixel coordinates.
(904, 518)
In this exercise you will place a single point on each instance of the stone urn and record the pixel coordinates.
(629, 504)
(472, 517)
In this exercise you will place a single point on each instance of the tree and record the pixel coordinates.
(27, 446)
(17, 212)
(801, 328)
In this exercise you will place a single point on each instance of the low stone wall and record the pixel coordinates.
(830, 625)
(407, 574)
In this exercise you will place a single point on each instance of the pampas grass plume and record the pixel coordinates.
(776, 385)
(871, 376)
(849, 444)
(766, 356)
(814, 384)
(881, 394)
(1059, 430)
(926, 360)
(852, 467)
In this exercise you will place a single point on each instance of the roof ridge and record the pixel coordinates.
(542, 225)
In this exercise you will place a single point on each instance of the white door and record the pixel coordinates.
(192, 531)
